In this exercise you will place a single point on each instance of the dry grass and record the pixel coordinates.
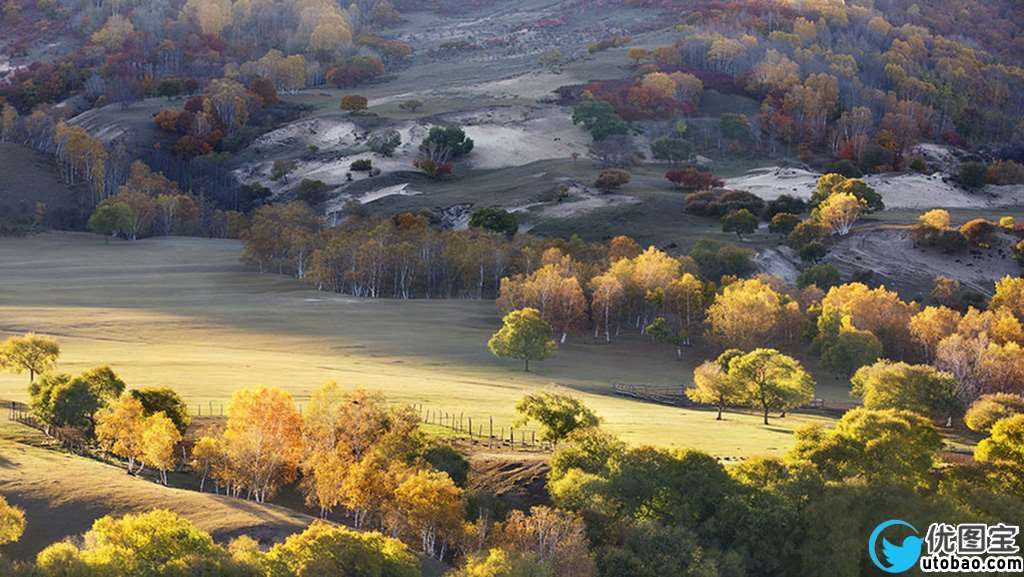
(183, 313)
(62, 494)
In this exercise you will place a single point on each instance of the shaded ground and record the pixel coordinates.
(63, 494)
(28, 177)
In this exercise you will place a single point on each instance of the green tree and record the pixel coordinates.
(59, 400)
(674, 150)
(985, 412)
(558, 414)
(850, 350)
(451, 139)
(168, 401)
(740, 221)
(1006, 443)
(888, 446)
(919, 388)
(772, 380)
(325, 549)
(600, 118)
(524, 335)
(495, 219)
(105, 383)
(109, 219)
(712, 386)
(972, 174)
(824, 276)
(31, 352)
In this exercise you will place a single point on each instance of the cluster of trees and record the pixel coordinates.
(854, 85)
(160, 542)
(348, 450)
(147, 203)
(138, 51)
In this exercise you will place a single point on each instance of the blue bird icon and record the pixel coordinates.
(902, 557)
(898, 558)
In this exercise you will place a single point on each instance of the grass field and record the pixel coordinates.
(183, 313)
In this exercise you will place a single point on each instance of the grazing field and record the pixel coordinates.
(183, 313)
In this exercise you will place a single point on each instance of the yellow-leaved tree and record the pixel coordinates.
(159, 438)
(263, 439)
(120, 427)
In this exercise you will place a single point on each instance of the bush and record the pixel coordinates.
(495, 220)
(361, 165)
(978, 231)
(612, 178)
(783, 223)
(384, 142)
(716, 260)
(741, 222)
(354, 103)
(722, 201)
(950, 241)
(692, 178)
(312, 192)
(824, 276)
(846, 168)
(972, 174)
(988, 409)
(452, 139)
(280, 169)
(784, 203)
(918, 164)
(433, 169)
(806, 232)
(813, 252)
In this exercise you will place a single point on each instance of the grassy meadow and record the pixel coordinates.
(183, 313)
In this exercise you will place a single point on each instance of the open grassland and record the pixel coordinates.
(62, 494)
(183, 313)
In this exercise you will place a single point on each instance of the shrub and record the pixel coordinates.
(612, 178)
(495, 220)
(972, 174)
(978, 231)
(384, 142)
(719, 202)
(784, 203)
(740, 221)
(813, 252)
(783, 223)
(312, 192)
(824, 276)
(918, 164)
(354, 103)
(806, 232)
(432, 168)
(847, 168)
(361, 165)
(692, 178)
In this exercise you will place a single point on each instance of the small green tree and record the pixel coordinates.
(850, 350)
(1006, 444)
(32, 353)
(168, 401)
(674, 150)
(972, 174)
(919, 388)
(772, 380)
(524, 335)
(451, 139)
(740, 221)
(495, 219)
(558, 414)
(989, 409)
(712, 386)
(109, 219)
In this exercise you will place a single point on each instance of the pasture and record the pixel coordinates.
(184, 313)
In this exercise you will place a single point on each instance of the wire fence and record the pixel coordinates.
(482, 430)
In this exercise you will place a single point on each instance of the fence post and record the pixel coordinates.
(470, 427)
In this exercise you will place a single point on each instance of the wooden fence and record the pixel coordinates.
(675, 397)
(482, 430)
(72, 439)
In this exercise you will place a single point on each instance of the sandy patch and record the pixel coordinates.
(917, 191)
(892, 256)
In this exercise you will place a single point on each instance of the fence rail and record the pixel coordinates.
(482, 430)
(675, 397)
